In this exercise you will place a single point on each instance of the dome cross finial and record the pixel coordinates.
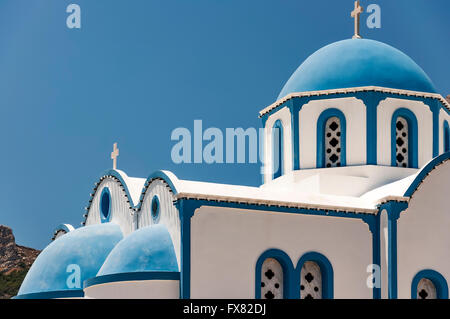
(355, 14)
(114, 155)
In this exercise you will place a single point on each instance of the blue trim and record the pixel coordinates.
(76, 293)
(62, 227)
(155, 175)
(436, 278)
(360, 95)
(324, 116)
(277, 150)
(288, 271)
(132, 276)
(446, 137)
(155, 214)
(295, 109)
(105, 216)
(424, 172)
(412, 137)
(376, 250)
(393, 210)
(325, 268)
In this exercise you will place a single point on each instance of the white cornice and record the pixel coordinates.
(354, 90)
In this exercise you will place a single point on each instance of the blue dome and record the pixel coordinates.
(356, 63)
(86, 247)
(149, 249)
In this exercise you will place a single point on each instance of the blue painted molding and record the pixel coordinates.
(373, 221)
(294, 108)
(410, 117)
(446, 137)
(436, 278)
(186, 210)
(424, 172)
(371, 100)
(393, 210)
(132, 276)
(62, 227)
(289, 286)
(105, 205)
(78, 293)
(277, 149)
(325, 268)
(324, 116)
(359, 95)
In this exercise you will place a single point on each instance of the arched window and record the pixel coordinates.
(426, 289)
(401, 142)
(404, 139)
(105, 205)
(271, 279)
(331, 137)
(316, 277)
(273, 273)
(277, 149)
(446, 137)
(310, 281)
(429, 284)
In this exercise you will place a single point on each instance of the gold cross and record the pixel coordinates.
(355, 14)
(114, 155)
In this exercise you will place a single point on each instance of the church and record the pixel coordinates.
(353, 203)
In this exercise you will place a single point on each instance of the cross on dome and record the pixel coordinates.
(114, 155)
(355, 14)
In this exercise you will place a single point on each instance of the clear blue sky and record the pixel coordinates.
(137, 69)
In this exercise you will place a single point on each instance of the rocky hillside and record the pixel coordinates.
(15, 261)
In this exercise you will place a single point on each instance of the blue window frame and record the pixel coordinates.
(288, 269)
(277, 149)
(436, 278)
(322, 137)
(326, 271)
(105, 205)
(412, 136)
(155, 208)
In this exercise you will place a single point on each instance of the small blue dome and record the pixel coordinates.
(356, 63)
(149, 249)
(86, 247)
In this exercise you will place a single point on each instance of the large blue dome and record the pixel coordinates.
(86, 247)
(356, 63)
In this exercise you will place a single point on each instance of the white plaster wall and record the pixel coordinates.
(226, 244)
(284, 115)
(443, 116)
(384, 254)
(424, 116)
(142, 289)
(423, 231)
(169, 216)
(355, 117)
(120, 209)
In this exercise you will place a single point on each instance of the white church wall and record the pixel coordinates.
(120, 211)
(168, 216)
(355, 117)
(423, 231)
(384, 254)
(443, 116)
(284, 115)
(226, 244)
(424, 116)
(142, 289)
